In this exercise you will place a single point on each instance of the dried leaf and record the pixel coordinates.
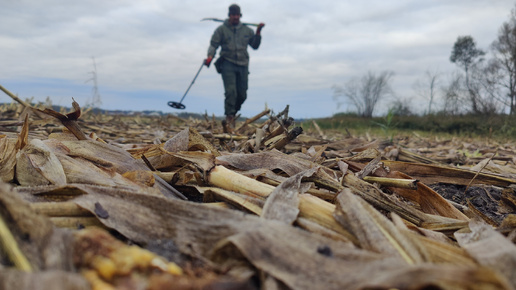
(437, 276)
(247, 202)
(432, 173)
(373, 231)
(429, 200)
(372, 165)
(203, 160)
(23, 138)
(193, 227)
(490, 249)
(175, 144)
(36, 165)
(282, 204)
(51, 279)
(320, 263)
(320, 212)
(47, 247)
(7, 159)
(271, 249)
(142, 177)
(269, 160)
(198, 142)
(78, 170)
(111, 159)
(69, 120)
(102, 155)
(291, 165)
(373, 195)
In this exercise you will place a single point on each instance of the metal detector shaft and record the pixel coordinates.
(193, 81)
(179, 105)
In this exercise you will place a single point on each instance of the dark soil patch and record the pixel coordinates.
(486, 199)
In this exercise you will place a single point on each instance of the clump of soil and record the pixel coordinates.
(486, 199)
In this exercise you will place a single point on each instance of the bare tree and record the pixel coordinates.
(364, 93)
(466, 55)
(481, 97)
(427, 87)
(504, 50)
(453, 93)
(483, 89)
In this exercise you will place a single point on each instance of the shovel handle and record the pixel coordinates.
(221, 20)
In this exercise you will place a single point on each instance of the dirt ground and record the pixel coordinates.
(487, 199)
(259, 204)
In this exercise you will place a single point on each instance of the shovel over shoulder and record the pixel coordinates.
(222, 20)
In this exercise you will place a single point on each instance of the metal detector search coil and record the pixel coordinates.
(180, 105)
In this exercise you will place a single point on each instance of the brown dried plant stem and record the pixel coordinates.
(235, 199)
(226, 179)
(10, 246)
(14, 97)
(75, 222)
(69, 120)
(478, 172)
(66, 214)
(321, 212)
(253, 119)
(408, 156)
(393, 182)
(59, 209)
(23, 103)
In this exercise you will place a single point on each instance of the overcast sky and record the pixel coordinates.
(148, 52)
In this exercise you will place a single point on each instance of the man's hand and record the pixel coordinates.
(207, 61)
(259, 29)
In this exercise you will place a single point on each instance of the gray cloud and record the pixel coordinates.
(154, 48)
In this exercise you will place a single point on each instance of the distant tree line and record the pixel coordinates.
(484, 85)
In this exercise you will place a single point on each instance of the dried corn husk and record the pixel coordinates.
(271, 219)
(490, 249)
(373, 231)
(36, 165)
(7, 158)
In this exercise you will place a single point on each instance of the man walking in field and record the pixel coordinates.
(233, 64)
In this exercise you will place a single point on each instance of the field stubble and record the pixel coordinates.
(267, 207)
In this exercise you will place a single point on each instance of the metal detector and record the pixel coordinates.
(180, 105)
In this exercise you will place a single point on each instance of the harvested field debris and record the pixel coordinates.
(92, 201)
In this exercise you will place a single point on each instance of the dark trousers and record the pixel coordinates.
(235, 86)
